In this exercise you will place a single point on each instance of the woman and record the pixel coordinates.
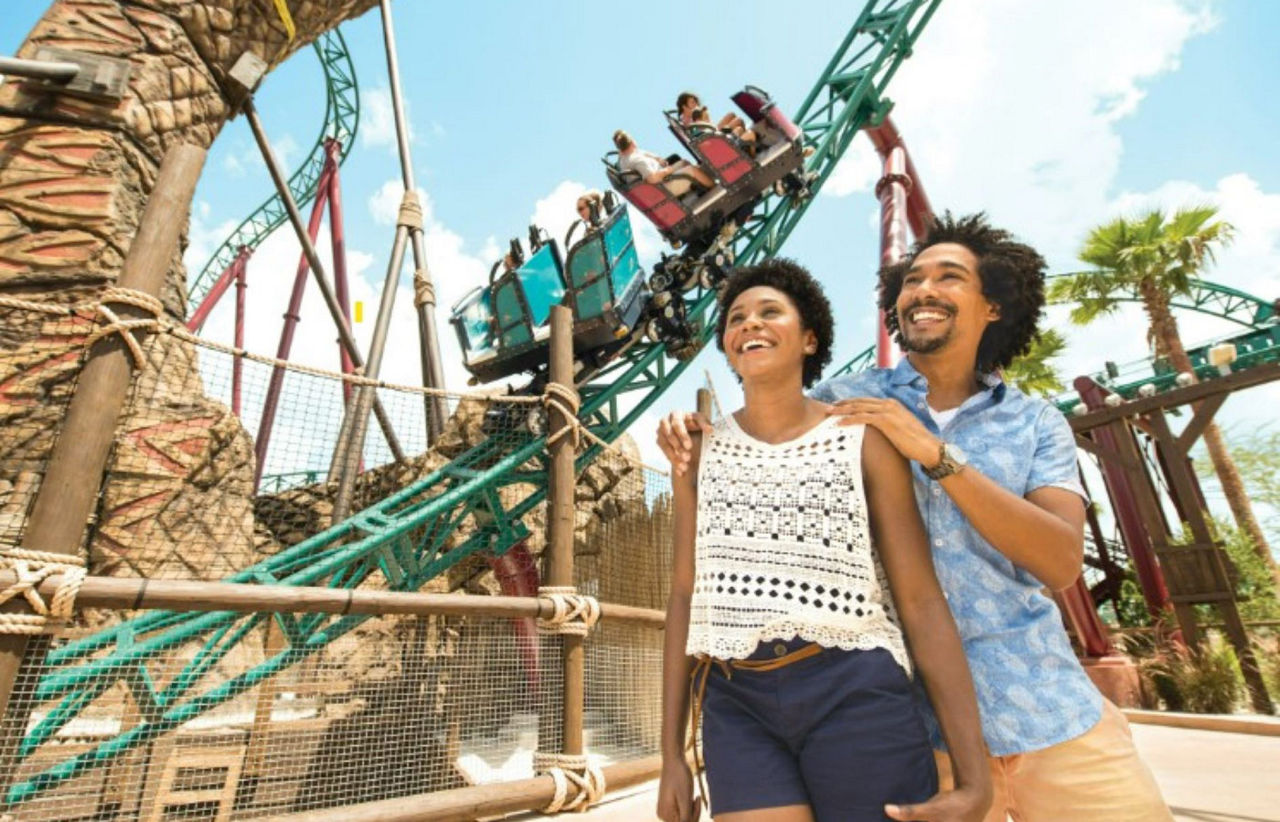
(780, 607)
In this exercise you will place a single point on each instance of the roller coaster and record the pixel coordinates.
(408, 538)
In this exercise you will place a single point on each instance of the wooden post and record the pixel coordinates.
(704, 402)
(1213, 584)
(70, 488)
(560, 522)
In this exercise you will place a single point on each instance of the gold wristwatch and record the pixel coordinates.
(951, 460)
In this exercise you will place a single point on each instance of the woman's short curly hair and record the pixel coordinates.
(1012, 275)
(805, 292)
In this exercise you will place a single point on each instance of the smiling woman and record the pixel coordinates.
(800, 566)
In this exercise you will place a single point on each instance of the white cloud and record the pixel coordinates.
(1021, 127)
(378, 122)
(245, 158)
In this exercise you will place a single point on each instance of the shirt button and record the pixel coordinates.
(779, 650)
(937, 543)
(936, 490)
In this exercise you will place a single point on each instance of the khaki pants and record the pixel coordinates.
(1096, 777)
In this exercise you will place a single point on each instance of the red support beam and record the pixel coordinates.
(892, 191)
(219, 288)
(885, 137)
(237, 364)
(1121, 481)
(338, 243)
(291, 318)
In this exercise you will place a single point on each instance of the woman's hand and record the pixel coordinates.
(675, 792)
(961, 805)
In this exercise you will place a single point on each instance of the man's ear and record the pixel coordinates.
(993, 311)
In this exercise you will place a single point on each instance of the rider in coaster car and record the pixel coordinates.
(678, 177)
(691, 110)
(590, 208)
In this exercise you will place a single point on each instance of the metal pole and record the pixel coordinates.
(351, 438)
(338, 246)
(266, 423)
(219, 288)
(347, 341)
(38, 69)
(70, 488)
(237, 364)
(892, 192)
(433, 371)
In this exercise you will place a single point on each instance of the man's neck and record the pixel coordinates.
(952, 380)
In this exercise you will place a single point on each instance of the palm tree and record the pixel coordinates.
(1156, 258)
(1033, 373)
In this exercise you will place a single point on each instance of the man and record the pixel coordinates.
(996, 483)
(653, 169)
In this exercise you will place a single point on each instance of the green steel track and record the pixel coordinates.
(1259, 343)
(414, 534)
(341, 117)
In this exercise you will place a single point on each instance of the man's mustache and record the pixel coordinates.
(932, 303)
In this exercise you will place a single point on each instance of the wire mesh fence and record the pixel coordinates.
(130, 714)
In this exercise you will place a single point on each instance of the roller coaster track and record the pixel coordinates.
(341, 117)
(1259, 343)
(457, 510)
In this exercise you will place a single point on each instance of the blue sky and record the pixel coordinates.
(1053, 117)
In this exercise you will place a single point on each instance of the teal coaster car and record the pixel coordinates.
(503, 327)
(606, 284)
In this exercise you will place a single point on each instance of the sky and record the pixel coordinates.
(1052, 117)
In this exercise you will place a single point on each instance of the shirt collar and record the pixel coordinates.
(904, 373)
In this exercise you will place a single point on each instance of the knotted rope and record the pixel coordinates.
(570, 770)
(410, 215)
(563, 398)
(33, 568)
(424, 293)
(573, 613)
(115, 325)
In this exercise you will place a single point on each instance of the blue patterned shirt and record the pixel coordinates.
(1032, 692)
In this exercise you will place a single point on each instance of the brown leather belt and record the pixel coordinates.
(698, 689)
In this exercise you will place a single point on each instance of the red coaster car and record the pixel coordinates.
(696, 218)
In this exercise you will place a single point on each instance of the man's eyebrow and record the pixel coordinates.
(915, 267)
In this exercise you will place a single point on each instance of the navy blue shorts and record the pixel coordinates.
(839, 732)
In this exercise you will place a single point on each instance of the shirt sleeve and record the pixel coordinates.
(822, 392)
(1054, 464)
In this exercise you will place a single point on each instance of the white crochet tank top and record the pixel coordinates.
(783, 547)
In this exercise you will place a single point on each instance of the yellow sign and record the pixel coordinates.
(359, 311)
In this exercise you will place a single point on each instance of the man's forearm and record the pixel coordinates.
(1031, 537)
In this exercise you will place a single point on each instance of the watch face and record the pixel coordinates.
(956, 455)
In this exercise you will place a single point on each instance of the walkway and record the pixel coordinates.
(1206, 776)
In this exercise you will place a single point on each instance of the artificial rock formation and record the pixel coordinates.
(74, 178)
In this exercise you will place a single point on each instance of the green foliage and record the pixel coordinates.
(1205, 680)
(1034, 373)
(1153, 249)
(1131, 607)
(1254, 586)
(1256, 454)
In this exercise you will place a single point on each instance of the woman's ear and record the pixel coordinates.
(810, 343)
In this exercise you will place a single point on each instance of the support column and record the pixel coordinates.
(892, 190)
(1205, 559)
(560, 524)
(71, 483)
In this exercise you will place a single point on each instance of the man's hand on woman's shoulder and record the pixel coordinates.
(675, 438)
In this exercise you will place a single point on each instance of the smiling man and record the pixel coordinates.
(996, 484)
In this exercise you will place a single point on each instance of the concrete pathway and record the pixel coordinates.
(1206, 776)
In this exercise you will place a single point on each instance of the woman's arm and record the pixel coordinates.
(900, 539)
(675, 789)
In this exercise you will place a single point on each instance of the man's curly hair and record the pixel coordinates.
(805, 292)
(1012, 275)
